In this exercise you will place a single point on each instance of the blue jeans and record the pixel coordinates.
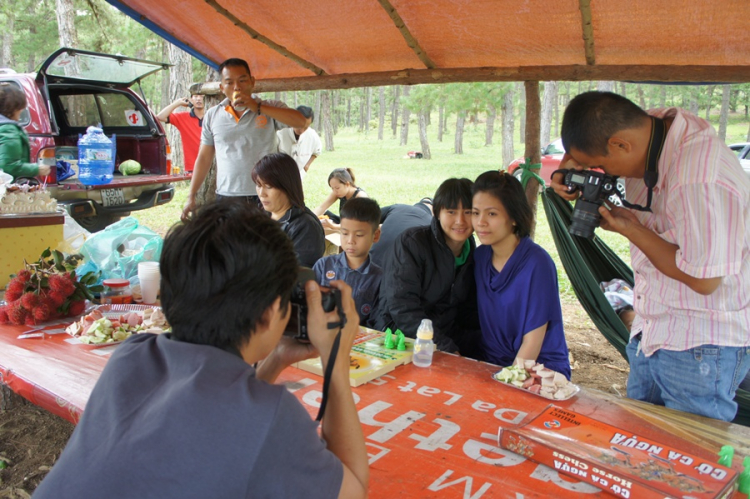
(701, 380)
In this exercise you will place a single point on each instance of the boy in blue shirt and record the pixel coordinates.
(360, 229)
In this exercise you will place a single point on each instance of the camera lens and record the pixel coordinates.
(585, 219)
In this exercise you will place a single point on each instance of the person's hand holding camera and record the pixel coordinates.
(617, 219)
(558, 184)
(318, 321)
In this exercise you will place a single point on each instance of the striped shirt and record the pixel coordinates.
(701, 203)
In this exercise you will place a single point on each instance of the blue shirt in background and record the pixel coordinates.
(364, 281)
(521, 298)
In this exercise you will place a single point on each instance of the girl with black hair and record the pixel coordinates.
(343, 188)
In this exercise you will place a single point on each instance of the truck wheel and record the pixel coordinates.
(97, 222)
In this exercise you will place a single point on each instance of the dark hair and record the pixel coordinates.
(450, 194)
(221, 270)
(280, 171)
(591, 118)
(343, 175)
(362, 210)
(307, 112)
(234, 62)
(509, 191)
(12, 99)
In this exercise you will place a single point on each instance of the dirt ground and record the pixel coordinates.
(31, 439)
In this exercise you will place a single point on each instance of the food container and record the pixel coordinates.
(116, 292)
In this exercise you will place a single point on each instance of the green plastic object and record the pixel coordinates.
(401, 342)
(389, 343)
(726, 454)
(3, 464)
(744, 480)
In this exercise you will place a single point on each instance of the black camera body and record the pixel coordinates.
(595, 187)
(297, 326)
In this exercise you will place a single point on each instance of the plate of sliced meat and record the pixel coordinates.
(112, 324)
(534, 378)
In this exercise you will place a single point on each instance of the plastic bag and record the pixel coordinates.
(73, 236)
(117, 250)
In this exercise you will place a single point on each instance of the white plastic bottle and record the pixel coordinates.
(424, 346)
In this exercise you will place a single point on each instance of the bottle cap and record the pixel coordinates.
(425, 330)
(116, 283)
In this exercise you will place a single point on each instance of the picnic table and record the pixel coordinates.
(429, 432)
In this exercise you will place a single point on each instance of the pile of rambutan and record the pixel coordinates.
(47, 289)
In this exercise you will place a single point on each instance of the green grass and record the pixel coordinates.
(382, 169)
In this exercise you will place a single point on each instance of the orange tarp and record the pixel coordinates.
(358, 36)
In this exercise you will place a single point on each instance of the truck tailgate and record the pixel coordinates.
(122, 181)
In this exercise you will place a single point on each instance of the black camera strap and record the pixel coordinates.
(651, 175)
(332, 358)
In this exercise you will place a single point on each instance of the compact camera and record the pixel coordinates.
(297, 326)
(595, 188)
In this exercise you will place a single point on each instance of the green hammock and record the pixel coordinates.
(589, 262)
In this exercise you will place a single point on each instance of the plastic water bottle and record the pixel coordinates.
(96, 159)
(424, 346)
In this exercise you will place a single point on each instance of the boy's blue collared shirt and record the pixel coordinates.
(364, 281)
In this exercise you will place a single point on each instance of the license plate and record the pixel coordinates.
(113, 197)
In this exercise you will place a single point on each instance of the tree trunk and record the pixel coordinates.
(327, 119)
(66, 15)
(623, 89)
(506, 112)
(381, 112)
(316, 121)
(180, 77)
(394, 110)
(362, 112)
(724, 117)
(368, 114)
(405, 120)
(348, 108)
(423, 135)
(207, 192)
(522, 105)
(164, 75)
(710, 97)
(550, 100)
(641, 97)
(533, 116)
(441, 111)
(296, 104)
(336, 115)
(491, 115)
(6, 57)
(604, 86)
(458, 145)
(663, 97)
(694, 100)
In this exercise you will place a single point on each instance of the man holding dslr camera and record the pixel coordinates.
(689, 232)
(187, 414)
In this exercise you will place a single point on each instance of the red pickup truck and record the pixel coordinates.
(75, 89)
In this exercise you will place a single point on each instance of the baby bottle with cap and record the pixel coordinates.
(424, 346)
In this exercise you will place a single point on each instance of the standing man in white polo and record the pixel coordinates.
(238, 132)
(302, 144)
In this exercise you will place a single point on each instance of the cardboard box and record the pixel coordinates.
(615, 460)
(25, 237)
(369, 358)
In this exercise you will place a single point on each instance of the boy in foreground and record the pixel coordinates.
(187, 415)
(360, 229)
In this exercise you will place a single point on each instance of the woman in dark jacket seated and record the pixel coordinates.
(430, 275)
(280, 192)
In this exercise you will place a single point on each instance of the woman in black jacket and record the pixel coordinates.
(280, 191)
(430, 275)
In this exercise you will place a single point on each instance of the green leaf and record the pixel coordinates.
(46, 253)
(96, 289)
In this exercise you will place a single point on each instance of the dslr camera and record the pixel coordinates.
(297, 326)
(595, 188)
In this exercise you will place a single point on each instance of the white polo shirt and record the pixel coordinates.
(300, 149)
(239, 145)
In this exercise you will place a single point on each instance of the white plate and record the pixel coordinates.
(575, 391)
(112, 311)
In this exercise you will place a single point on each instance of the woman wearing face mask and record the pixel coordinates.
(15, 157)
(341, 181)
(519, 302)
(280, 192)
(430, 274)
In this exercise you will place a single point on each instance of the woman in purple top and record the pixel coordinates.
(519, 304)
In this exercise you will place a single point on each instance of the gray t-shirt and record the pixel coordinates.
(239, 145)
(174, 419)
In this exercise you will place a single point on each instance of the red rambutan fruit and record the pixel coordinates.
(57, 298)
(77, 307)
(14, 290)
(29, 300)
(24, 276)
(42, 312)
(29, 320)
(17, 314)
(4, 319)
